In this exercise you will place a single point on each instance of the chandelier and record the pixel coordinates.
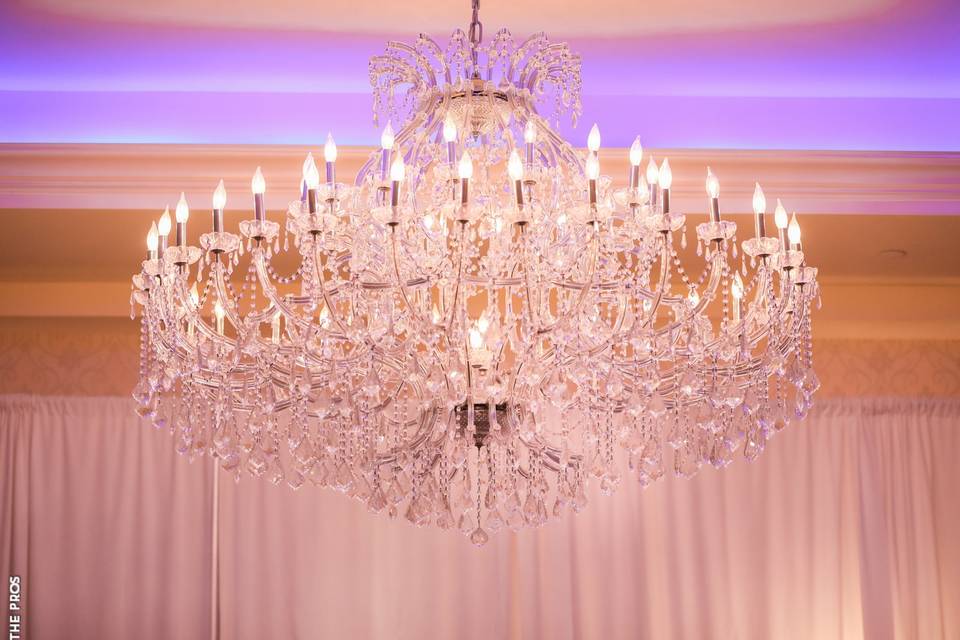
(482, 322)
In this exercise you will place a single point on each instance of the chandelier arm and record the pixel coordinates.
(438, 56)
(334, 314)
(230, 306)
(422, 64)
(524, 260)
(709, 295)
(588, 286)
(278, 301)
(456, 289)
(664, 277)
(199, 323)
(427, 327)
(536, 40)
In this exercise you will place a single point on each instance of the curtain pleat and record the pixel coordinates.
(847, 526)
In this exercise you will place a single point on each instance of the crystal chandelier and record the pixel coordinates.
(482, 322)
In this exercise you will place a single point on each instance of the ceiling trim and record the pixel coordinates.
(146, 176)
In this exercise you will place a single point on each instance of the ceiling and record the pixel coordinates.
(738, 74)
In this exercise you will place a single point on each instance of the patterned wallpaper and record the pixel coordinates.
(98, 356)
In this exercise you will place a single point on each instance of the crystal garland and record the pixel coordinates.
(482, 322)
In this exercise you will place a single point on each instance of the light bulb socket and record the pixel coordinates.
(715, 209)
(665, 198)
(181, 234)
(312, 200)
(331, 173)
(258, 210)
(634, 176)
(161, 246)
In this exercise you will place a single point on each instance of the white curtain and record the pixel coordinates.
(848, 526)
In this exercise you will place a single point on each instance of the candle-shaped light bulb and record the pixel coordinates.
(483, 323)
(476, 339)
(330, 156)
(153, 239)
(759, 208)
(736, 291)
(793, 231)
(311, 178)
(515, 166)
(387, 138)
(593, 168)
(666, 175)
(636, 155)
(736, 287)
(666, 181)
(183, 211)
(780, 219)
(163, 228)
(397, 169)
(330, 149)
(529, 139)
(449, 129)
(636, 152)
(465, 169)
(593, 139)
(220, 197)
(713, 192)
(780, 215)
(258, 185)
(759, 201)
(218, 314)
(311, 175)
(653, 172)
(183, 214)
(530, 132)
(713, 184)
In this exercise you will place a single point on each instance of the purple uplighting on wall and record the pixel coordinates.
(886, 80)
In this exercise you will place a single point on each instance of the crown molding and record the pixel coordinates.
(146, 176)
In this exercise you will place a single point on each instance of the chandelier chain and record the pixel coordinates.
(476, 27)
